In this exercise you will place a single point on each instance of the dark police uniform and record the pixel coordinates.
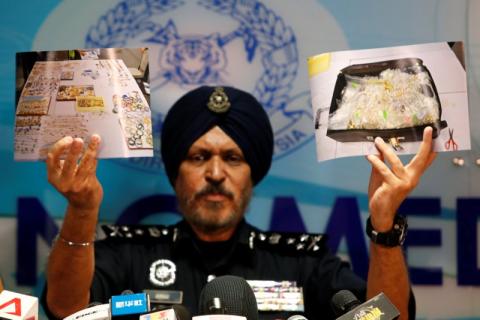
(171, 258)
(131, 256)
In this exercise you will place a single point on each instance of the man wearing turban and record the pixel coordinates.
(217, 143)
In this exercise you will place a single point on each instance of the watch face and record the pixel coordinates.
(402, 226)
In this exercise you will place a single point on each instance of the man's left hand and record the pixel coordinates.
(389, 186)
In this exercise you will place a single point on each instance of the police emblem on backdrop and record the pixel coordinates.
(162, 273)
(187, 58)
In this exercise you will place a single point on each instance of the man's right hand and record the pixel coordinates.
(72, 171)
(75, 176)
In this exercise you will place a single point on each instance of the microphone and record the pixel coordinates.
(18, 306)
(344, 301)
(181, 312)
(227, 297)
(175, 312)
(164, 299)
(129, 305)
(347, 307)
(297, 317)
(95, 311)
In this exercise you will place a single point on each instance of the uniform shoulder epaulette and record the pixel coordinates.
(288, 242)
(138, 233)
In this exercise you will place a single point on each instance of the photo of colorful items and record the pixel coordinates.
(62, 94)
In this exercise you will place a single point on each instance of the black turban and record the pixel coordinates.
(236, 112)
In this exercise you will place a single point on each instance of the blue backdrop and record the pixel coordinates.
(261, 46)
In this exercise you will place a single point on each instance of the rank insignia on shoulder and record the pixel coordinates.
(138, 233)
(288, 242)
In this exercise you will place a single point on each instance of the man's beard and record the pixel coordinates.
(203, 216)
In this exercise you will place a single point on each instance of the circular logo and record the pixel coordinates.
(162, 273)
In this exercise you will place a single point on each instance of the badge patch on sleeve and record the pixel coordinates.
(277, 295)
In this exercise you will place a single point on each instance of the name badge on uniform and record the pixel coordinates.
(277, 295)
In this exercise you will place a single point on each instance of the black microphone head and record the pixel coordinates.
(344, 301)
(94, 304)
(126, 292)
(235, 295)
(181, 312)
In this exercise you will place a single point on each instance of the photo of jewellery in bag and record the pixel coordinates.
(394, 98)
(62, 94)
(357, 97)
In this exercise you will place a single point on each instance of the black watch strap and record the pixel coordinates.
(394, 237)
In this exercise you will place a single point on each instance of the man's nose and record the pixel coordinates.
(215, 171)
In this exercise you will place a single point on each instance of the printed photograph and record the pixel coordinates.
(392, 93)
(83, 92)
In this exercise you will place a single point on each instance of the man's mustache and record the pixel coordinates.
(214, 189)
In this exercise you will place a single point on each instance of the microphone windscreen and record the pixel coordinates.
(181, 312)
(235, 294)
(127, 292)
(344, 301)
(94, 304)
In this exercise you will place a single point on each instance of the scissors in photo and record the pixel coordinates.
(451, 143)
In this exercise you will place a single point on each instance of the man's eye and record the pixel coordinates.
(234, 158)
(198, 157)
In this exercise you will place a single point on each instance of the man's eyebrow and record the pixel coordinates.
(198, 149)
(233, 149)
(208, 149)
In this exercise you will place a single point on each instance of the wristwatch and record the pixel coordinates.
(394, 237)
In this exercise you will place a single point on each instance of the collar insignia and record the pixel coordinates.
(218, 101)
